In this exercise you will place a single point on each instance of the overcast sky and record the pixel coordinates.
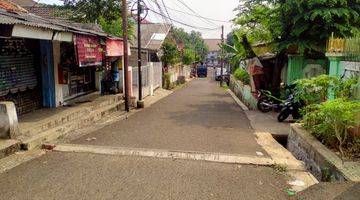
(215, 9)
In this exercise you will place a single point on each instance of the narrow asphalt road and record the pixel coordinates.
(199, 117)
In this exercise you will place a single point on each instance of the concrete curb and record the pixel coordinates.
(64, 129)
(19, 158)
(237, 100)
(158, 153)
(159, 94)
(278, 153)
(281, 156)
(8, 147)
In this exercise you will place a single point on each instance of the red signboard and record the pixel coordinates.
(114, 48)
(89, 51)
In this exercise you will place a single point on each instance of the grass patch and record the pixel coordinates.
(280, 168)
(226, 87)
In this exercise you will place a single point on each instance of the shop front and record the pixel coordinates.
(20, 74)
(78, 64)
(111, 77)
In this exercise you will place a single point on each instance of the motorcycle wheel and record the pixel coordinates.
(284, 114)
(296, 115)
(263, 108)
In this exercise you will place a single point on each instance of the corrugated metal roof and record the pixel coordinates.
(32, 20)
(9, 5)
(27, 19)
(149, 33)
(24, 3)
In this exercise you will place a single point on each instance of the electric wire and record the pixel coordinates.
(188, 14)
(168, 17)
(183, 23)
(167, 12)
(180, 11)
(198, 15)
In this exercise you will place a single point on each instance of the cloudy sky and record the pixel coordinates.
(214, 9)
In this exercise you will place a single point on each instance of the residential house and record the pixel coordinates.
(213, 57)
(152, 37)
(45, 62)
(42, 10)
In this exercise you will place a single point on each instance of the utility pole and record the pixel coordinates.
(222, 59)
(140, 103)
(126, 55)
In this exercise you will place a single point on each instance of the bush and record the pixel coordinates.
(168, 85)
(242, 75)
(317, 89)
(331, 122)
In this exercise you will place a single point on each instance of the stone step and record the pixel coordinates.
(69, 116)
(8, 147)
(64, 129)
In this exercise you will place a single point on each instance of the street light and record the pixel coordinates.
(141, 9)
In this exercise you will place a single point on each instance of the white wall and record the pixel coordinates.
(59, 98)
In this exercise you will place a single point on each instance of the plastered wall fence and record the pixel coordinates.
(151, 78)
(300, 67)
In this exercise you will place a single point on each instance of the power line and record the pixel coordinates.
(188, 7)
(156, 16)
(168, 17)
(167, 12)
(162, 13)
(184, 24)
(215, 20)
(194, 16)
(207, 20)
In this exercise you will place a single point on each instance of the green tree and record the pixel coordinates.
(307, 25)
(89, 11)
(230, 37)
(234, 53)
(255, 20)
(297, 25)
(106, 13)
(170, 54)
(240, 50)
(192, 41)
(188, 56)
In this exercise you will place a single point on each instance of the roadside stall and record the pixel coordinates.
(110, 83)
(78, 65)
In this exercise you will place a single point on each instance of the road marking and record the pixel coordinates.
(237, 100)
(158, 153)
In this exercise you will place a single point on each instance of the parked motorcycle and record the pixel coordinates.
(291, 107)
(267, 102)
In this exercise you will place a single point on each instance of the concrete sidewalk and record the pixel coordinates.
(267, 122)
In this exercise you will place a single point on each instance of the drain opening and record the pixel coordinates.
(281, 139)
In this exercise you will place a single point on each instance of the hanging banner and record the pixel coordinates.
(114, 48)
(88, 50)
